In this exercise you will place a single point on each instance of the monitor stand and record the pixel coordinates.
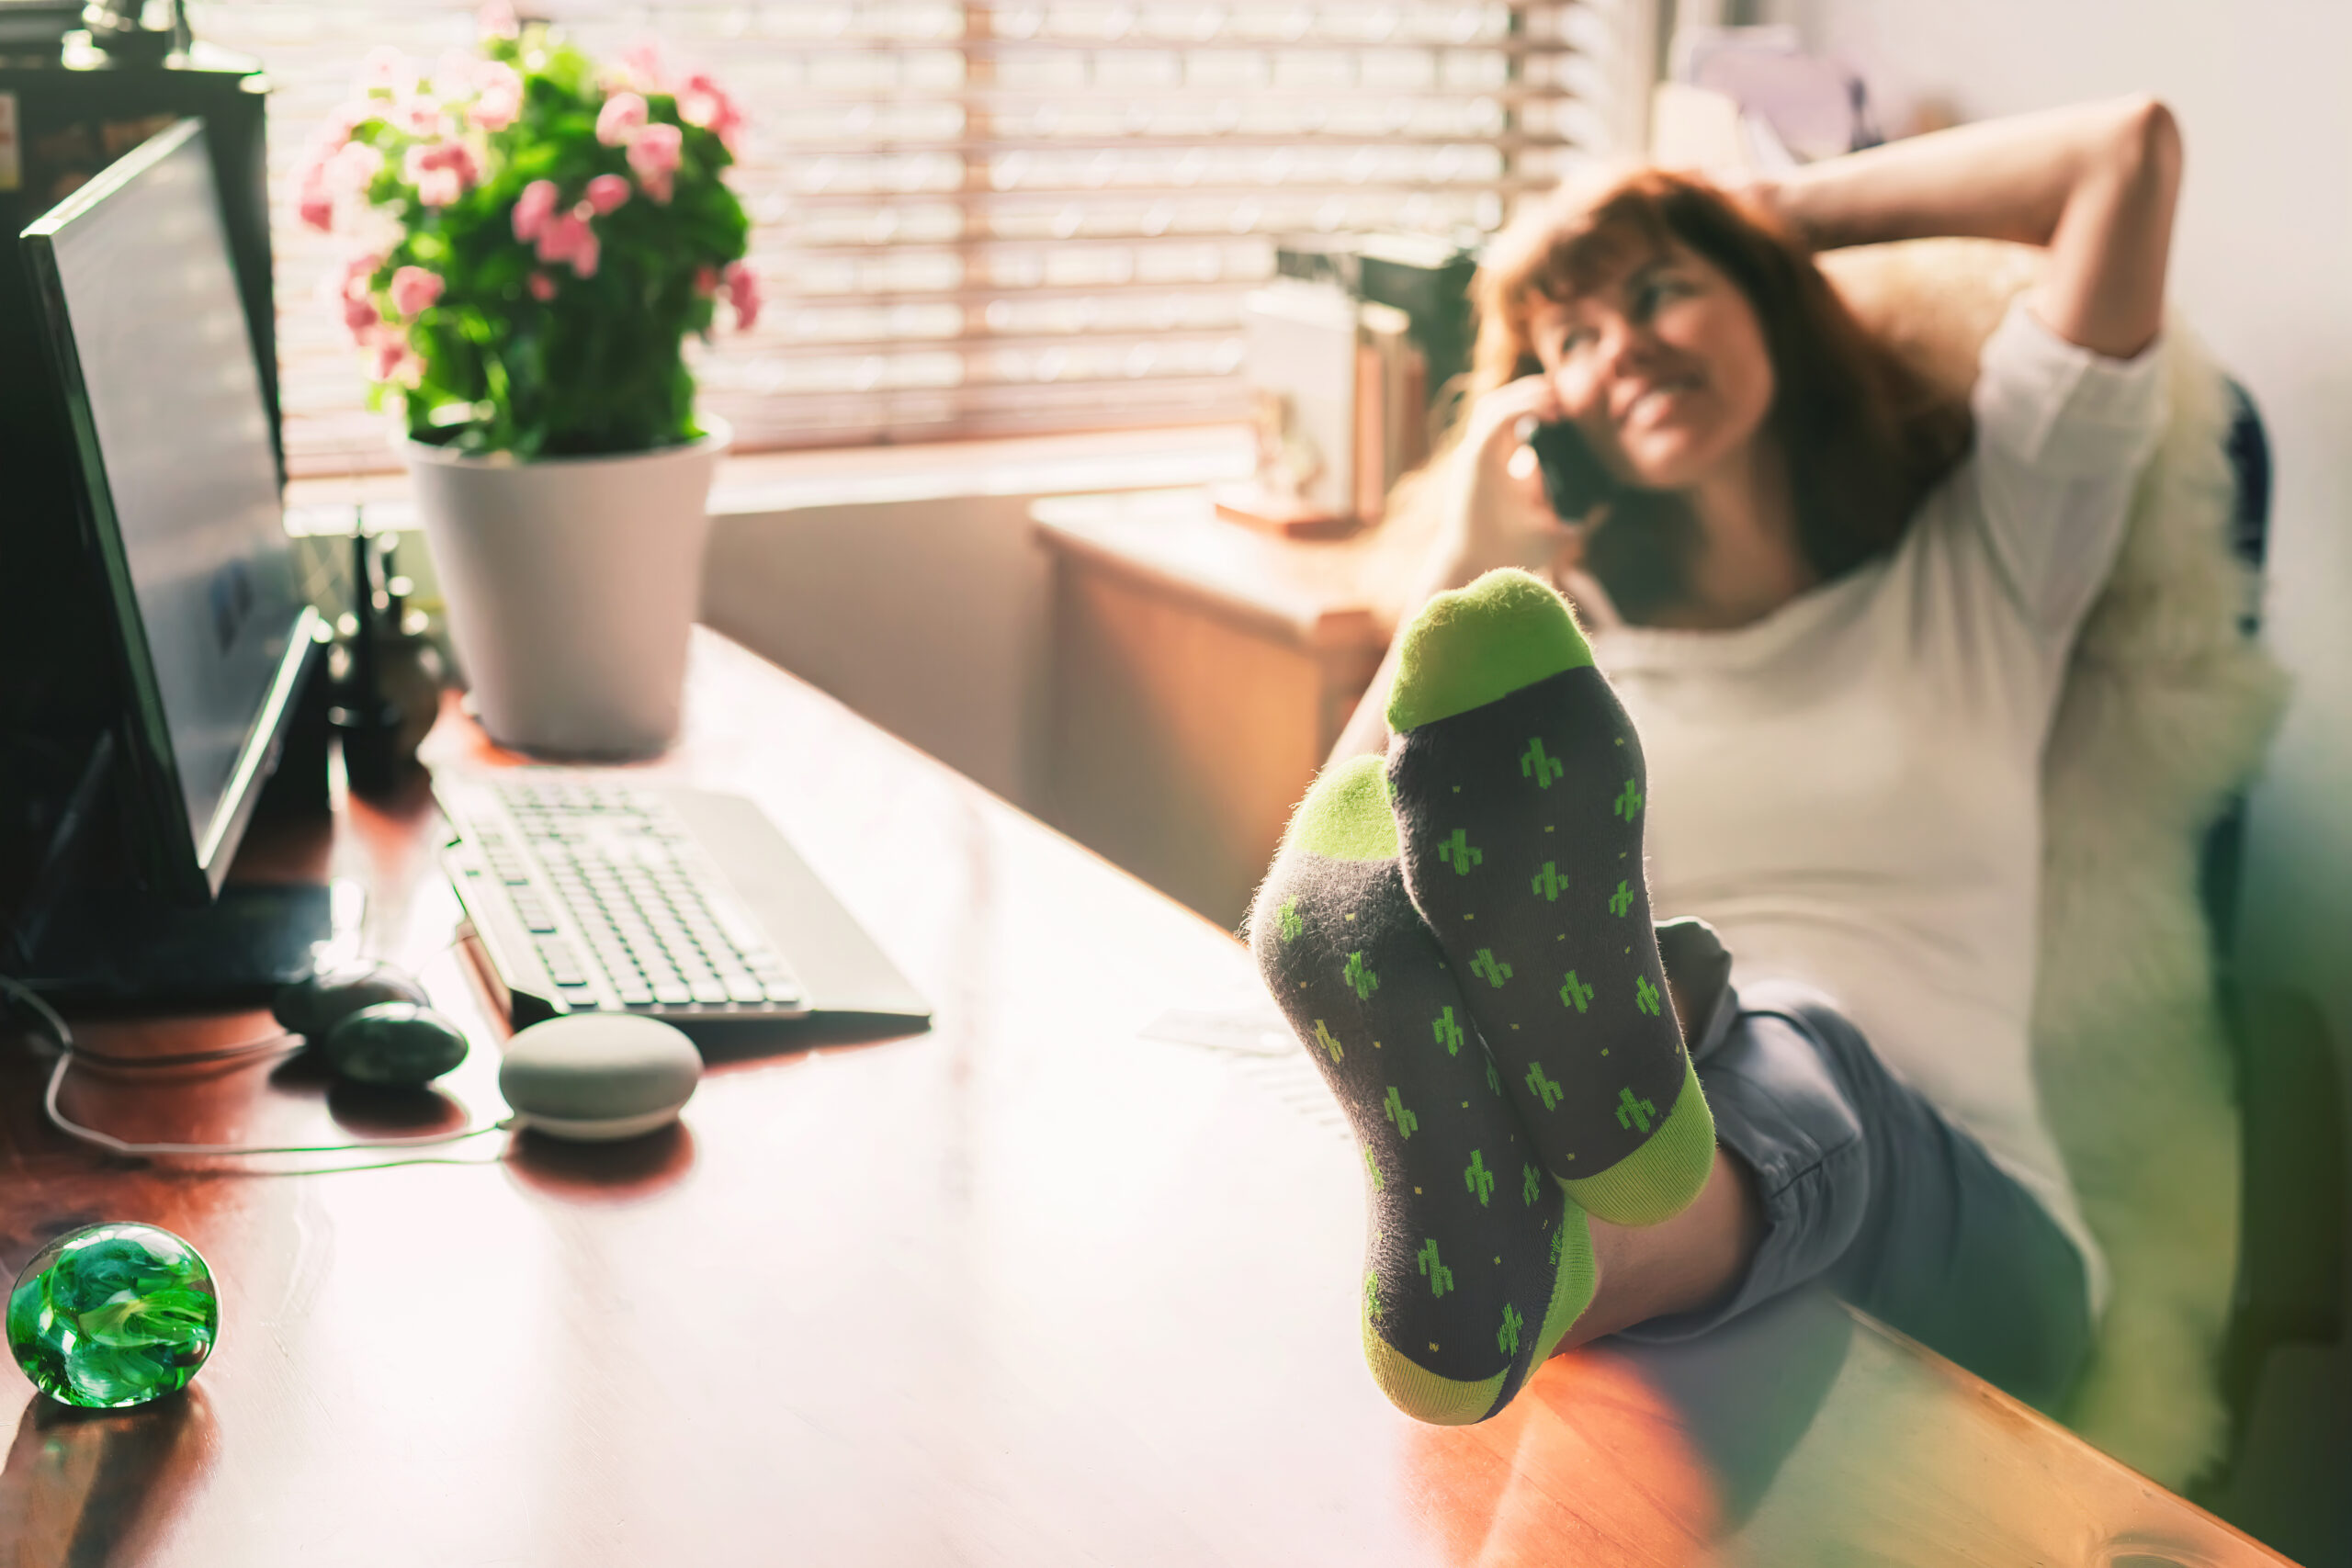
(87, 935)
(235, 951)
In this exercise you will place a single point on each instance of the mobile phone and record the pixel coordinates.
(1574, 481)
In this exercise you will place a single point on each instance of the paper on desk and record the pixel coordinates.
(1258, 1030)
(1270, 1057)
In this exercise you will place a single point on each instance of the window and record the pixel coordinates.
(1007, 215)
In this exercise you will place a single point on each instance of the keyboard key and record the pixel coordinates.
(563, 965)
(673, 995)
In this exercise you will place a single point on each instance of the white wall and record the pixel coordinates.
(2264, 267)
(910, 583)
(927, 616)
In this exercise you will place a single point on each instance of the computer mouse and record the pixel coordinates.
(595, 1077)
(394, 1043)
(311, 1007)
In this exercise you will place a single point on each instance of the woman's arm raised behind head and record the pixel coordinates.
(2094, 183)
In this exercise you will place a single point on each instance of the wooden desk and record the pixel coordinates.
(1032, 1288)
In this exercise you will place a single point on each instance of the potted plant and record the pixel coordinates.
(540, 236)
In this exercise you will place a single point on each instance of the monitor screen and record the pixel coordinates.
(175, 450)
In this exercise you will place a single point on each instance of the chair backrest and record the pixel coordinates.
(1933, 301)
(2222, 862)
(2292, 1245)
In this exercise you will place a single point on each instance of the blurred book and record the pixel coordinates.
(1300, 347)
(1390, 374)
(1339, 392)
(1425, 276)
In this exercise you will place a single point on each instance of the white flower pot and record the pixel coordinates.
(572, 584)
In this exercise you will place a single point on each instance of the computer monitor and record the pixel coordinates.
(138, 297)
(173, 439)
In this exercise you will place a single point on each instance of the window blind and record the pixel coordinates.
(975, 217)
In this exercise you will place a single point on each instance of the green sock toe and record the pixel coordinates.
(1475, 1259)
(1424, 1394)
(1467, 648)
(1658, 1181)
(1441, 1400)
(1345, 815)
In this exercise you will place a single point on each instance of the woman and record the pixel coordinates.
(1840, 644)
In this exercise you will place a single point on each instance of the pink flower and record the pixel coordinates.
(456, 73)
(703, 102)
(533, 208)
(542, 286)
(620, 119)
(501, 99)
(654, 156)
(606, 192)
(395, 363)
(386, 69)
(455, 156)
(440, 171)
(351, 167)
(743, 290)
(642, 67)
(568, 238)
(316, 202)
(496, 19)
(341, 121)
(414, 290)
(359, 312)
(416, 114)
(559, 237)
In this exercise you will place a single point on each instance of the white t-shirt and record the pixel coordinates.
(1850, 788)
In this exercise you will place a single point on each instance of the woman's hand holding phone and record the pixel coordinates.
(1501, 516)
(1493, 513)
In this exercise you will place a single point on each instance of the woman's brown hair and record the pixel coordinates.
(1862, 438)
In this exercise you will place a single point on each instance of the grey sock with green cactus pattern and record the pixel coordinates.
(1517, 788)
(1475, 1263)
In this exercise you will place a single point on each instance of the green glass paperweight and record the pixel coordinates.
(113, 1315)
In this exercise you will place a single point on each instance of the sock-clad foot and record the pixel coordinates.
(1517, 785)
(1475, 1265)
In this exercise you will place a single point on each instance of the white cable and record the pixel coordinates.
(63, 1037)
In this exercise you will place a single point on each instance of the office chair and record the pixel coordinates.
(2290, 1274)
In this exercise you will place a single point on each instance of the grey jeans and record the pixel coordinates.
(1866, 1187)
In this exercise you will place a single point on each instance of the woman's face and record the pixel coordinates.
(1663, 368)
